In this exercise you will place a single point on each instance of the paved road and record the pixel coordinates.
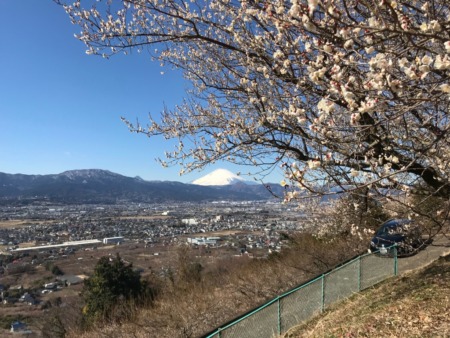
(439, 247)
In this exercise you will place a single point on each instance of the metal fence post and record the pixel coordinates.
(323, 293)
(359, 273)
(395, 260)
(279, 316)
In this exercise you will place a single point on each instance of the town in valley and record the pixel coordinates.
(48, 250)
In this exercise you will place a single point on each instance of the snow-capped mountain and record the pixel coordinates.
(219, 177)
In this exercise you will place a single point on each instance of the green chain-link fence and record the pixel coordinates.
(306, 300)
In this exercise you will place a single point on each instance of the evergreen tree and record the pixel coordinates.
(113, 286)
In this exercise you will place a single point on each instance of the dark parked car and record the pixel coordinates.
(403, 232)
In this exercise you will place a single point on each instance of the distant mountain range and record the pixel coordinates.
(102, 186)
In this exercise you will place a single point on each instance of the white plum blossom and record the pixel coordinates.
(442, 63)
(435, 26)
(295, 10)
(424, 69)
(367, 106)
(328, 48)
(425, 7)
(354, 119)
(370, 50)
(313, 164)
(350, 98)
(308, 47)
(424, 27)
(326, 106)
(403, 62)
(354, 173)
(312, 4)
(278, 54)
(395, 85)
(349, 44)
(426, 60)
(411, 72)
(329, 85)
(445, 88)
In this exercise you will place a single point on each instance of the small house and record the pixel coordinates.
(27, 299)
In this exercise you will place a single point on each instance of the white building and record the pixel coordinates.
(202, 240)
(189, 221)
(113, 240)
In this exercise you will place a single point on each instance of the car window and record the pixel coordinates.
(395, 230)
(382, 231)
(391, 229)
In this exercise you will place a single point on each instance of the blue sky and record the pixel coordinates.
(60, 109)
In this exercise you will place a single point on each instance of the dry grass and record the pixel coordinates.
(189, 305)
(13, 223)
(413, 305)
(17, 223)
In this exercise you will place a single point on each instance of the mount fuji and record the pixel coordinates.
(220, 177)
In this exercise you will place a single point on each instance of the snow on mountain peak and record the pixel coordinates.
(88, 173)
(219, 177)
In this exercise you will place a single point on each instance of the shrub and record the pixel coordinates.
(112, 292)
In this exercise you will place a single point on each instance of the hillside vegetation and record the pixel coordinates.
(195, 296)
(412, 305)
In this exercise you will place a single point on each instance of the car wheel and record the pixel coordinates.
(404, 249)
